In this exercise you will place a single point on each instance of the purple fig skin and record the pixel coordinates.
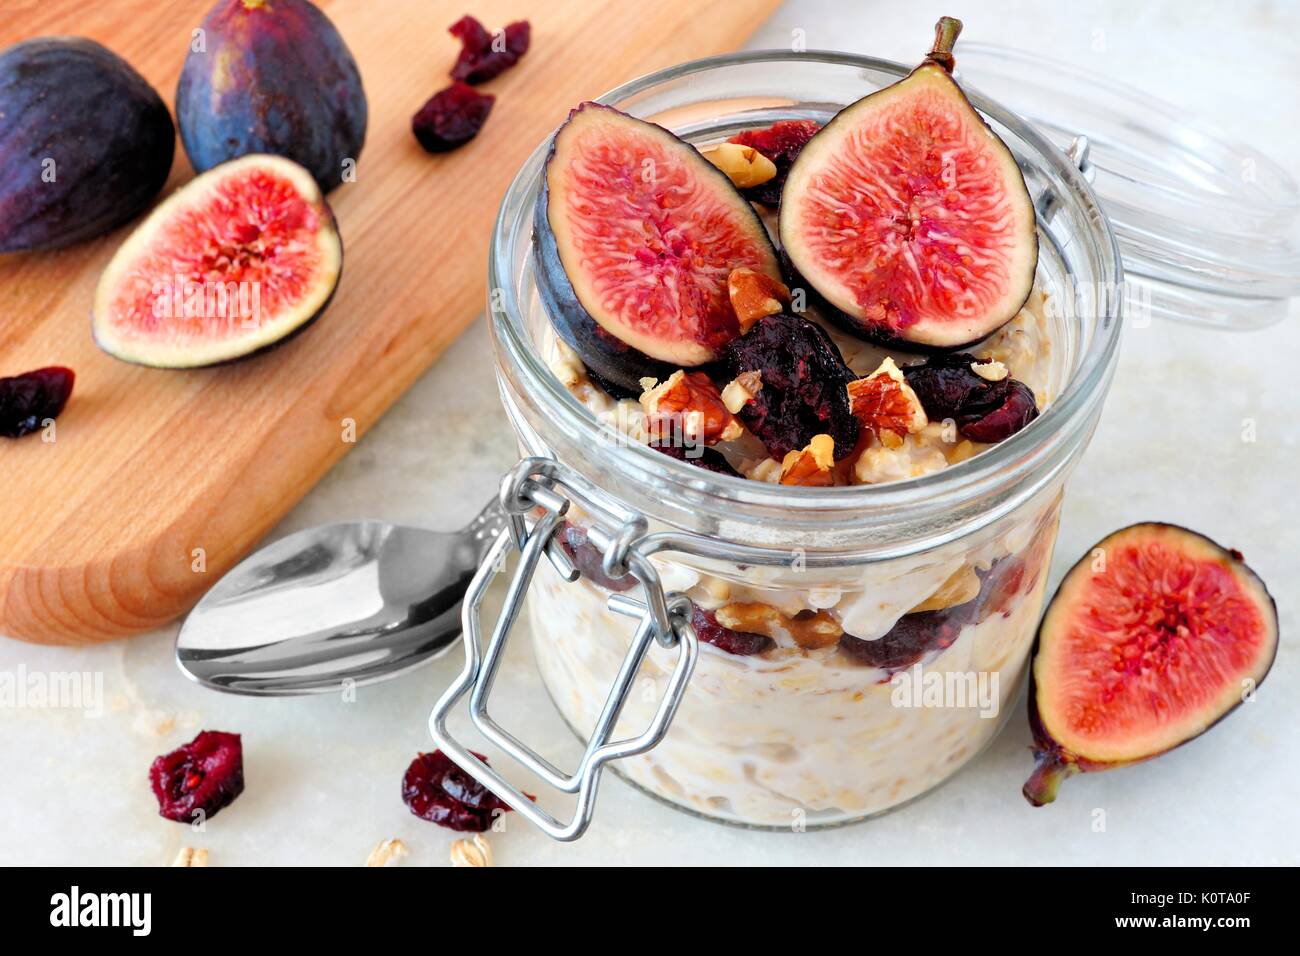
(1055, 763)
(275, 77)
(85, 143)
(614, 362)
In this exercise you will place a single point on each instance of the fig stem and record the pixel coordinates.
(1040, 789)
(946, 32)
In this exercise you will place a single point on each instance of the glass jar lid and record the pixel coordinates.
(1207, 226)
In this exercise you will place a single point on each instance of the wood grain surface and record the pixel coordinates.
(157, 482)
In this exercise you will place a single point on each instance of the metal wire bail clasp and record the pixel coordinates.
(545, 483)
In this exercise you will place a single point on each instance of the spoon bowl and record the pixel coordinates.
(339, 605)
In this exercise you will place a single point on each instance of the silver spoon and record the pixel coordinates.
(359, 601)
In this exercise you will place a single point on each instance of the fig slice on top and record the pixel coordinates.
(908, 216)
(635, 234)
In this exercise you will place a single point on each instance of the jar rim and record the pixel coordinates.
(1038, 451)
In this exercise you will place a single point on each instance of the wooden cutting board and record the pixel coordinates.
(100, 530)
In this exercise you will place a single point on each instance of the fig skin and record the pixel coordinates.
(1054, 763)
(938, 63)
(107, 131)
(275, 77)
(612, 360)
(177, 202)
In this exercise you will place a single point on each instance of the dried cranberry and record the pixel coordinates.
(478, 62)
(27, 400)
(914, 636)
(1016, 410)
(804, 389)
(587, 558)
(451, 117)
(439, 791)
(1001, 584)
(945, 383)
(198, 779)
(742, 643)
(984, 411)
(710, 459)
(782, 142)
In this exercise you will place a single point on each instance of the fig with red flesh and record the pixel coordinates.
(235, 261)
(908, 216)
(1152, 638)
(635, 234)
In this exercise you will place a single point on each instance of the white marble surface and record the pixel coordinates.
(323, 775)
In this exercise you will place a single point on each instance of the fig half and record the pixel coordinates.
(908, 216)
(635, 234)
(231, 263)
(1152, 638)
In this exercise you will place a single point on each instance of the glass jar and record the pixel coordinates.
(902, 614)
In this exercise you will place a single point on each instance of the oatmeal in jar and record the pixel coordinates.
(806, 326)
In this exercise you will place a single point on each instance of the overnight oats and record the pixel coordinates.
(833, 341)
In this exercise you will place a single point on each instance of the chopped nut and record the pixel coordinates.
(809, 629)
(566, 365)
(387, 853)
(990, 371)
(477, 852)
(812, 465)
(764, 469)
(189, 856)
(820, 597)
(962, 586)
(754, 295)
(961, 451)
(740, 391)
(744, 165)
(885, 404)
(718, 589)
(688, 406)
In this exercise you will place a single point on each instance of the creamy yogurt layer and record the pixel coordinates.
(793, 735)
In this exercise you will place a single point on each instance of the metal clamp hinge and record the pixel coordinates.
(545, 483)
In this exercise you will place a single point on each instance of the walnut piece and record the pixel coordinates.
(740, 391)
(990, 371)
(387, 853)
(688, 408)
(809, 629)
(961, 451)
(190, 856)
(962, 586)
(477, 852)
(812, 465)
(755, 295)
(744, 165)
(885, 405)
